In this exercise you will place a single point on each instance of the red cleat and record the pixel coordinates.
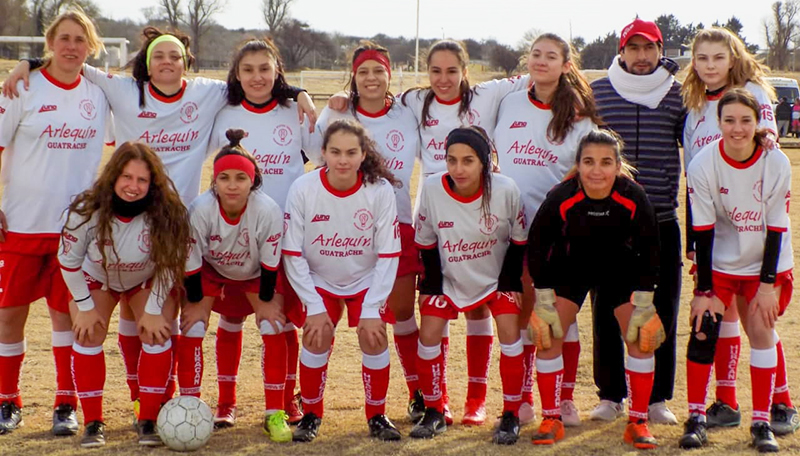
(294, 410)
(474, 413)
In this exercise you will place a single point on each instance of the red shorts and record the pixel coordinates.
(409, 254)
(292, 306)
(95, 284)
(443, 307)
(29, 270)
(353, 303)
(726, 286)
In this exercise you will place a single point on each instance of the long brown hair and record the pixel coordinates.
(235, 91)
(167, 218)
(365, 45)
(573, 97)
(744, 97)
(464, 89)
(372, 167)
(139, 61)
(484, 156)
(603, 137)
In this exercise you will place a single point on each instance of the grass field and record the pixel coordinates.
(344, 429)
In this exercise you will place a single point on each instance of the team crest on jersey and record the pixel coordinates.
(395, 141)
(189, 112)
(488, 225)
(282, 135)
(364, 220)
(473, 117)
(147, 115)
(144, 241)
(87, 109)
(243, 239)
(757, 191)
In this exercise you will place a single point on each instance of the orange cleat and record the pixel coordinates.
(551, 430)
(637, 434)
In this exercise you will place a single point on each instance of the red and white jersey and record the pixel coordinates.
(395, 131)
(444, 117)
(236, 249)
(128, 267)
(176, 128)
(740, 201)
(472, 247)
(51, 139)
(342, 242)
(524, 152)
(702, 127)
(275, 138)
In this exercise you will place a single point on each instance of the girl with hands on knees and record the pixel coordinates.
(598, 212)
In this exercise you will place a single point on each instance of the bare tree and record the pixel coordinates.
(172, 12)
(44, 11)
(505, 58)
(275, 12)
(780, 31)
(524, 44)
(198, 18)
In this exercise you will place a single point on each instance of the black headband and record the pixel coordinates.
(471, 138)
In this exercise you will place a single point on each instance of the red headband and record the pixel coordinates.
(238, 162)
(372, 54)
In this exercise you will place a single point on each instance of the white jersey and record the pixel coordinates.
(395, 131)
(342, 242)
(702, 127)
(236, 249)
(741, 201)
(472, 247)
(176, 128)
(524, 152)
(51, 139)
(444, 117)
(275, 138)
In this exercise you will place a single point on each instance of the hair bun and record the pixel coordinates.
(235, 135)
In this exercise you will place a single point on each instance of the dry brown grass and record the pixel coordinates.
(344, 430)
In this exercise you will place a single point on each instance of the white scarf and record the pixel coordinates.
(647, 89)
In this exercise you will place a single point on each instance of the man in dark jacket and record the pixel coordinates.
(640, 100)
(783, 113)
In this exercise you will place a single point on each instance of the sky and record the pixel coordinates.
(503, 20)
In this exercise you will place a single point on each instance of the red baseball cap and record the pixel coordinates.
(647, 29)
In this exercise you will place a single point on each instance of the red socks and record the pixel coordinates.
(375, 374)
(549, 375)
(639, 374)
(480, 337)
(273, 367)
(89, 368)
(781, 394)
(190, 360)
(313, 375)
(406, 336)
(11, 356)
(445, 350)
(511, 374)
(571, 351)
(762, 378)
(292, 356)
(430, 366)
(228, 354)
(698, 376)
(155, 363)
(62, 354)
(529, 361)
(129, 347)
(172, 382)
(726, 362)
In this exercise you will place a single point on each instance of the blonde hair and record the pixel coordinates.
(75, 14)
(745, 67)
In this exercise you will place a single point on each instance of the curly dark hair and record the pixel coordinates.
(373, 166)
(139, 61)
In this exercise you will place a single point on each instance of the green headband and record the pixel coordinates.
(165, 38)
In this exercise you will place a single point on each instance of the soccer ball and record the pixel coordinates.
(185, 423)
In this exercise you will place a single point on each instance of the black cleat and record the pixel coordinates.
(382, 429)
(694, 433)
(148, 436)
(763, 438)
(10, 417)
(431, 424)
(307, 428)
(416, 407)
(784, 420)
(721, 414)
(507, 433)
(94, 435)
(65, 420)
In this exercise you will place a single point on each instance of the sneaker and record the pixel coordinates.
(432, 423)
(763, 438)
(307, 428)
(659, 413)
(508, 431)
(637, 434)
(148, 436)
(65, 420)
(569, 414)
(294, 410)
(94, 435)
(721, 414)
(136, 415)
(551, 430)
(448, 415)
(783, 419)
(416, 407)
(694, 433)
(277, 427)
(527, 414)
(606, 411)
(382, 429)
(10, 417)
(225, 416)
(474, 412)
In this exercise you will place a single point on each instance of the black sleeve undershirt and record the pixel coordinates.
(690, 238)
(511, 274)
(35, 63)
(772, 250)
(266, 289)
(194, 287)
(704, 243)
(430, 282)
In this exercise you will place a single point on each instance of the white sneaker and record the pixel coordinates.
(527, 414)
(659, 413)
(606, 411)
(569, 414)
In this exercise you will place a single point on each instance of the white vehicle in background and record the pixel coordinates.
(785, 87)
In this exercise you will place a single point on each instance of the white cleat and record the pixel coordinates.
(569, 414)
(606, 411)
(659, 413)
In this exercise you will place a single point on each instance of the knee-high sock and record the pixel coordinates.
(129, 347)
(480, 337)
(406, 336)
(273, 367)
(529, 363)
(229, 355)
(172, 381)
(571, 351)
(155, 363)
(639, 374)
(781, 394)
(89, 370)
(549, 375)
(698, 377)
(11, 356)
(445, 353)
(62, 354)
(430, 366)
(726, 362)
(375, 374)
(762, 378)
(313, 376)
(512, 370)
(190, 360)
(292, 357)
